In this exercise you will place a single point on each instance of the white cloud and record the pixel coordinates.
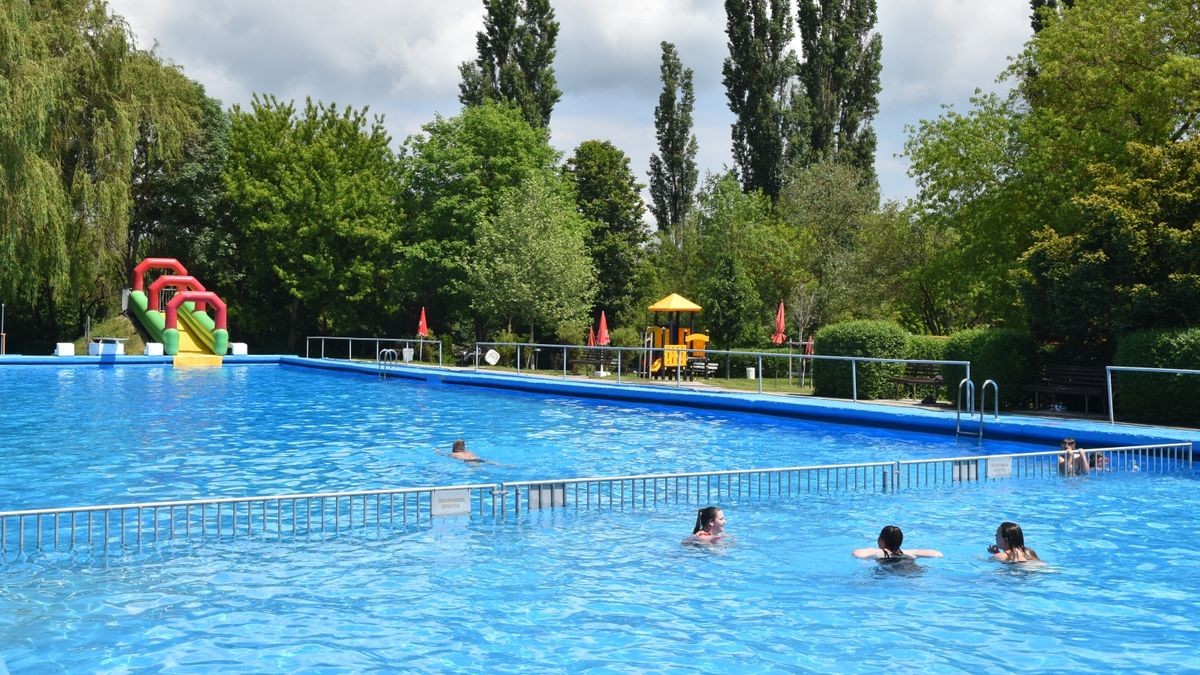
(401, 59)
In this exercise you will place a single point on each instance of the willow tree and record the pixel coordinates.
(75, 92)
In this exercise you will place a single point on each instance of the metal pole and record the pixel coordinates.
(1107, 385)
(760, 373)
(854, 378)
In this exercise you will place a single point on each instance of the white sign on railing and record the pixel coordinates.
(999, 467)
(547, 496)
(450, 503)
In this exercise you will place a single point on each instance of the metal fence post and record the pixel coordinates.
(854, 379)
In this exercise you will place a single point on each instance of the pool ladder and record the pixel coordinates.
(386, 358)
(968, 387)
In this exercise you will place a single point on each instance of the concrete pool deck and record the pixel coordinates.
(892, 414)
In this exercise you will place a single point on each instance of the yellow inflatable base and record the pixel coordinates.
(192, 360)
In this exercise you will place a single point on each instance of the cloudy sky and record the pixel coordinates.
(401, 59)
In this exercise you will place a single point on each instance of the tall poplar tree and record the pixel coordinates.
(759, 77)
(840, 73)
(673, 169)
(516, 59)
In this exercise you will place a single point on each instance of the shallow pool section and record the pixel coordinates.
(88, 435)
(615, 591)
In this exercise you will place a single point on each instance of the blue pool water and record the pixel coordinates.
(111, 435)
(603, 589)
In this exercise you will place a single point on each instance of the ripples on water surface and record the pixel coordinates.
(106, 435)
(601, 590)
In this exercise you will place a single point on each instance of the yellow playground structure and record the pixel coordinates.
(672, 348)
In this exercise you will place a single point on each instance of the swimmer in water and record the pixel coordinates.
(888, 551)
(709, 528)
(459, 451)
(1010, 545)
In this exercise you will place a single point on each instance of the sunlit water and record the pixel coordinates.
(602, 590)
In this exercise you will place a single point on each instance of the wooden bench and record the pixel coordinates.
(920, 374)
(1085, 381)
(598, 360)
(702, 367)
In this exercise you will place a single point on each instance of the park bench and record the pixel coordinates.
(1085, 381)
(701, 367)
(920, 374)
(599, 360)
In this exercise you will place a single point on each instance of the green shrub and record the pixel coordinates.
(625, 336)
(508, 355)
(1154, 397)
(1001, 354)
(880, 339)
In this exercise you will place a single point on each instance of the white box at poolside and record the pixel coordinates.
(153, 349)
(64, 349)
(99, 346)
(238, 348)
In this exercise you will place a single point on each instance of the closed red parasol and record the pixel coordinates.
(591, 337)
(780, 326)
(602, 336)
(422, 327)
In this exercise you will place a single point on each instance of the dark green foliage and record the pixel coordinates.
(878, 339)
(1001, 354)
(840, 73)
(1152, 397)
(730, 303)
(515, 61)
(1041, 7)
(673, 169)
(608, 195)
(758, 78)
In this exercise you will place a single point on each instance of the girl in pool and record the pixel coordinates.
(1010, 545)
(890, 538)
(710, 527)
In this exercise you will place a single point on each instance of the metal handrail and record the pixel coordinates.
(385, 358)
(377, 341)
(1108, 371)
(307, 514)
(969, 386)
(854, 360)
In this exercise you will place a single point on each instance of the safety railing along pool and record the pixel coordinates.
(323, 515)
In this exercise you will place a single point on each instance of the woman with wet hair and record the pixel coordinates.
(1010, 545)
(709, 528)
(889, 541)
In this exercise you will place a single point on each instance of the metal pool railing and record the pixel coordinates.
(330, 514)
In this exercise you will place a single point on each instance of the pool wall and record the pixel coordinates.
(1009, 426)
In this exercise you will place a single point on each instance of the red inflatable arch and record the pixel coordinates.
(139, 272)
(195, 296)
(180, 282)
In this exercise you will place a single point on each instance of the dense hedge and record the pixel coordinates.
(881, 339)
(999, 354)
(1151, 397)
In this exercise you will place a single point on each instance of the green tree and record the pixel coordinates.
(530, 264)
(840, 73)
(759, 77)
(608, 195)
(1135, 267)
(314, 195)
(454, 176)
(178, 206)
(74, 92)
(1041, 7)
(673, 171)
(515, 61)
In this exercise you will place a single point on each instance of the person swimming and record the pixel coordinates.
(709, 527)
(1010, 545)
(459, 451)
(888, 548)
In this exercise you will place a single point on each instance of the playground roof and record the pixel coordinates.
(674, 303)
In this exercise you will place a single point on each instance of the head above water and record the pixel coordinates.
(1067, 444)
(1010, 535)
(459, 446)
(890, 539)
(706, 517)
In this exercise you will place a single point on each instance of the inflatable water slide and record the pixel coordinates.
(183, 326)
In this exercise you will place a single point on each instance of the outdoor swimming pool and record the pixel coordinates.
(110, 435)
(601, 589)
